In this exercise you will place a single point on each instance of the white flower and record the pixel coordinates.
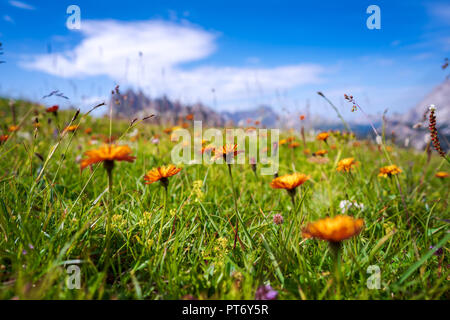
(346, 205)
(378, 139)
(432, 107)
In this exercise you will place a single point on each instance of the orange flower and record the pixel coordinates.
(320, 153)
(289, 181)
(88, 131)
(346, 164)
(442, 174)
(167, 130)
(13, 128)
(71, 128)
(389, 171)
(302, 117)
(3, 138)
(224, 151)
(294, 145)
(306, 151)
(161, 174)
(190, 116)
(257, 122)
(107, 154)
(323, 136)
(290, 139)
(52, 109)
(283, 141)
(335, 229)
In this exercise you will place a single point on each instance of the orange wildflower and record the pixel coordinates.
(190, 116)
(323, 136)
(441, 174)
(389, 171)
(107, 154)
(3, 138)
(320, 153)
(294, 145)
(88, 131)
(71, 128)
(13, 128)
(335, 229)
(306, 151)
(52, 109)
(302, 117)
(227, 150)
(289, 181)
(161, 174)
(283, 141)
(346, 164)
(290, 139)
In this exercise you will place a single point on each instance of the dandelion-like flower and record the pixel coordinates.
(229, 150)
(335, 229)
(323, 136)
(441, 175)
(53, 109)
(71, 128)
(346, 164)
(320, 153)
(289, 181)
(13, 128)
(107, 154)
(294, 145)
(161, 174)
(389, 171)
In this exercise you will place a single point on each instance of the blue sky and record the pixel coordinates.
(251, 52)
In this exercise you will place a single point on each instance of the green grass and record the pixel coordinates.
(62, 216)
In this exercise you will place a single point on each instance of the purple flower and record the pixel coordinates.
(278, 219)
(24, 252)
(265, 292)
(439, 252)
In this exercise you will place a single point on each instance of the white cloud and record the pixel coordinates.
(154, 55)
(21, 5)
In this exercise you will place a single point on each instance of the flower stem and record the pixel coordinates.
(335, 248)
(164, 213)
(235, 210)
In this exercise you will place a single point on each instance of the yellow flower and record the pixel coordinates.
(346, 164)
(289, 181)
(389, 171)
(335, 229)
